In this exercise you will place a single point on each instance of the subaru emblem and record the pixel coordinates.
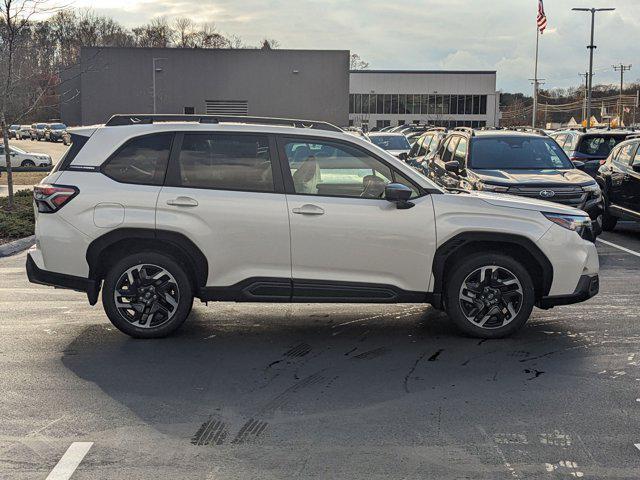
(547, 193)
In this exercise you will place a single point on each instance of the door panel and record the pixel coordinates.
(363, 240)
(242, 234)
(221, 193)
(342, 230)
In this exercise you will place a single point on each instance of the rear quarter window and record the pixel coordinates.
(142, 160)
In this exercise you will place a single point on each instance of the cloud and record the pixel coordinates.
(422, 34)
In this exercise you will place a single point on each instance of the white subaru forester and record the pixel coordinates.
(158, 209)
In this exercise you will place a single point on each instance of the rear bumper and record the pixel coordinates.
(588, 286)
(61, 280)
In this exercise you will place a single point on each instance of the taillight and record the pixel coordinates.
(51, 198)
(603, 161)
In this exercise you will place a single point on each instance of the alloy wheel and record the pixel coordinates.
(491, 297)
(147, 296)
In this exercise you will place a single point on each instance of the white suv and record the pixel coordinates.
(159, 209)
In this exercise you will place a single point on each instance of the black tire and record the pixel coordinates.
(28, 163)
(151, 261)
(466, 269)
(609, 222)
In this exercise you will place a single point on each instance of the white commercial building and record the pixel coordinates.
(378, 98)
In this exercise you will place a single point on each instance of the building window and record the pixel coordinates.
(379, 103)
(483, 104)
(351, 123)
(424, 107)
(400, 122)
(352, 100)
(476, 105)
(365, 103)
(189, 110)
(402, 104)
(394, 103)
(468, 105)
(358, 103)
(432, 105)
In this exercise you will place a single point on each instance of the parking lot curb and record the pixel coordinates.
(16, 246)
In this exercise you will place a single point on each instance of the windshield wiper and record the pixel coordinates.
(456, 189)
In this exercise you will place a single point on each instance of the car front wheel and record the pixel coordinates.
(489, 295)
(28, 163)
(147, 295)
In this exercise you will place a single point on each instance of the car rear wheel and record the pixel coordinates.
(147, 295)
(489, 295)
(28, 163)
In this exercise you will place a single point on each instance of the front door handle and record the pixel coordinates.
(183, 202)
(309, 209)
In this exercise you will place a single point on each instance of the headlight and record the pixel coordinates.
(592, 188)
(570, 222)
(487, 187)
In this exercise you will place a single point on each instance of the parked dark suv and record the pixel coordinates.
(525, 163)
(426, 145)
(619, 179)
(591, 147)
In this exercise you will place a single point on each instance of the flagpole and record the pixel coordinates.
(535, 81)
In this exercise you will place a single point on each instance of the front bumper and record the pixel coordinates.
(588, 286)
(62, 280)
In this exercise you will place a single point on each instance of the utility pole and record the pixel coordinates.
(591, 48)
(621, 68)
(535, 82)
(586, 88)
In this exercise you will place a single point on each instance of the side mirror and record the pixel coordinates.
(578, 164)
(636, 167)
(398, 193)
(403, 156)
(452, 166)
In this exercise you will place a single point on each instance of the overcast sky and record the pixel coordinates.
(426, 34)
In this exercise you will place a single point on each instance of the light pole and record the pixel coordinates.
(621, 68)
(591, 48)
(155, 70)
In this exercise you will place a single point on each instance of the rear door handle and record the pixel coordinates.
(183, 202)
(309, 209)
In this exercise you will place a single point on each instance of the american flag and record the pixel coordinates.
(542, 17)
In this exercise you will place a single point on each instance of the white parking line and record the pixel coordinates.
(70, 461)
(611, 244)
(637, 445)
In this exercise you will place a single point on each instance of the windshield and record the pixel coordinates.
(17, 150)
(517, 153)
(599, 145)
(58, 126)
(391, 142)
(14, 127)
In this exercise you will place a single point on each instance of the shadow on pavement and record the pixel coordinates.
(254, 365)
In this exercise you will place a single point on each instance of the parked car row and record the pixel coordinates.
(50, 132)
(597, 171)
(21, 158)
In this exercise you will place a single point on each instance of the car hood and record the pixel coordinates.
(534, 177)
(514, 201)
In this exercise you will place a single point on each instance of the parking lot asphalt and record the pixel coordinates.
(262, 391)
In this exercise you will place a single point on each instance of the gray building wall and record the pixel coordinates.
(310, 84)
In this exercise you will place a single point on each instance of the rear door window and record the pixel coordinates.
(599, 145)
(226, 162)
(626, 153)
(142, 160)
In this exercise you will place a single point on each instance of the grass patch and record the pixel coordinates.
(24, 178)
(19, 222)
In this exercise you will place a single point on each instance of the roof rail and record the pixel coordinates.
(465, 129)
(526, 128)
(437, 129)
(577, 127)
(145, 119)
(632, 135)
